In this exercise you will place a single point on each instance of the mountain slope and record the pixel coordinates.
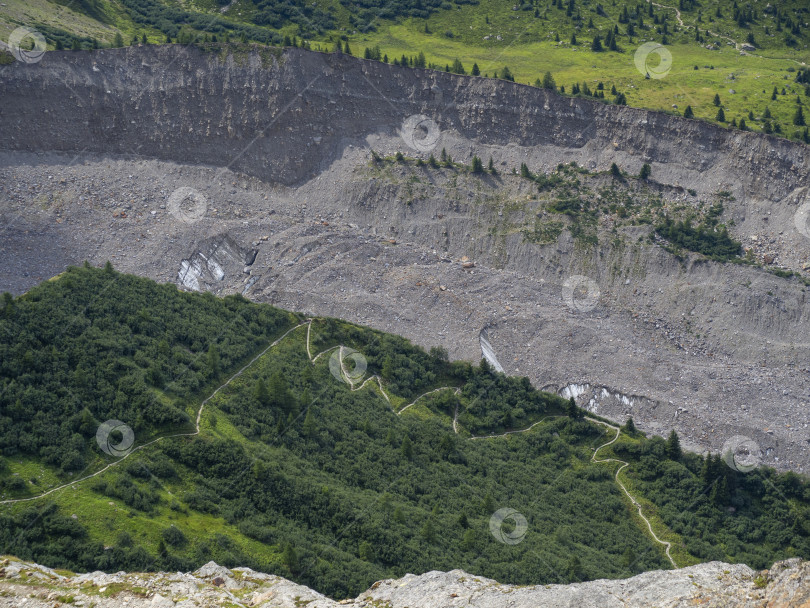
(741, 53)
(339, 467)
(293, 156)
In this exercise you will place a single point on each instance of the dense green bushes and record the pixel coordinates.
(709, 238)
(339, 489)
(97, 345)
(723, 514)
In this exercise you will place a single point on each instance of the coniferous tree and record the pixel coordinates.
(721, 116)
(630, 427)
(645, 172)
(571, 409)
(673, 446)
(407, 448)
(688, 113)
(798, 117)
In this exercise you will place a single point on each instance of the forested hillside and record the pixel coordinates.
(332, 467)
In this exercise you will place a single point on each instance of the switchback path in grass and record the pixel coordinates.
(666, 544)
(348, 379)
(146, 445)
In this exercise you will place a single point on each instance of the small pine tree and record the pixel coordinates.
(346, 49)
(309, 427)
(798, 117)
(688, 113)
(596, 45)
(477, 165)
(773, 95)
(261, 393)
(428, 531)
(573, 39)
(743, 126)
(571, 408)
(673, 448)
(475, 70)
(716, 100)
(630, 427)
(548, 81)
(615, 171)
(491, 167)
(645, 172)
(118, 42)
(407, 448)
(290, 558)
(721, 116)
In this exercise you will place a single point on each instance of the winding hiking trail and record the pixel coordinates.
(146, 445)
(666, 544)
(348, 379)
(737, 45)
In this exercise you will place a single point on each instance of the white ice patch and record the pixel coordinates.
(189, 274)
(574, 390)
(597, 397)
(487, 351)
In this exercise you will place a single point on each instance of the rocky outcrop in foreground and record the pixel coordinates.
(715, 584)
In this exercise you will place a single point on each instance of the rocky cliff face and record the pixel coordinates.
(285, 117)
(250, 172)
(713, 585)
